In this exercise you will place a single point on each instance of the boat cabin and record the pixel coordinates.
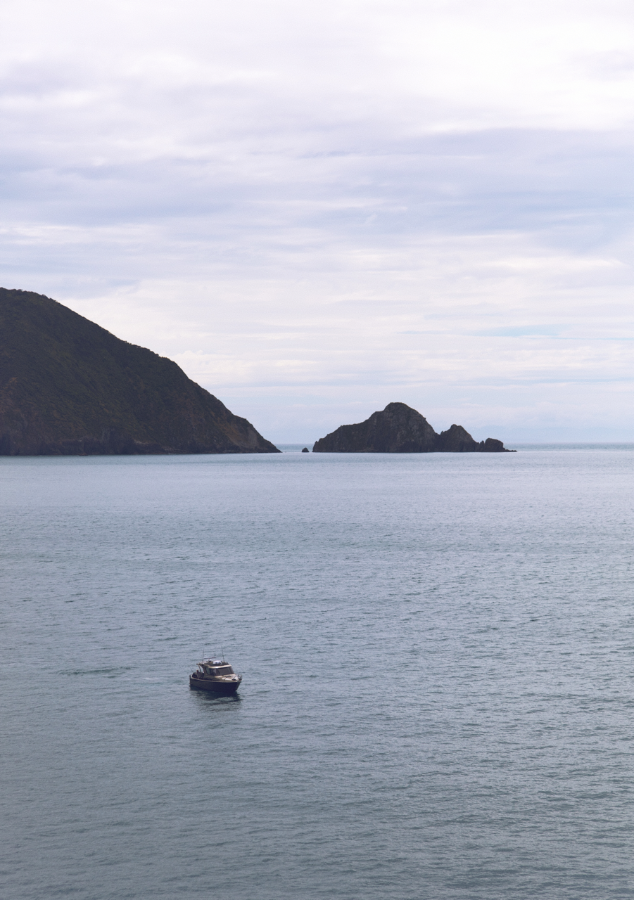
(215, 667)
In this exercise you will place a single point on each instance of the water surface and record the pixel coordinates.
(438, 695)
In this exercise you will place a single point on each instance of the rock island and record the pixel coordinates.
(401, 429)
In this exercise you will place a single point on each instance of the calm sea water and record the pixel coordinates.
(438, 661)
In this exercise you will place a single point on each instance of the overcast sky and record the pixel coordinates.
(316, 209)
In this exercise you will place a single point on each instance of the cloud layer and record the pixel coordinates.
(318, 210)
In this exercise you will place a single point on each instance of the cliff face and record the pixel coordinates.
(455, 440)
(400, 429)
(69, 387)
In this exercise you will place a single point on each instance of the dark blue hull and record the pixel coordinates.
(214, 687)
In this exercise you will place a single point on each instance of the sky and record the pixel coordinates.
(318, 209)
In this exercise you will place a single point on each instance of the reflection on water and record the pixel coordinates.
(210, 699)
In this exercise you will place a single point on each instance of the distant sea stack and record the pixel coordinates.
(69, 387)
(400, 429)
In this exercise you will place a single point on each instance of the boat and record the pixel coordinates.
(215, 675)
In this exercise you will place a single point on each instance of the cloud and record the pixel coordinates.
(316, 210)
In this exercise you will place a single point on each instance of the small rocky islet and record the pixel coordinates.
(400, 429)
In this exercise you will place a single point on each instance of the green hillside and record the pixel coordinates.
(68, 386)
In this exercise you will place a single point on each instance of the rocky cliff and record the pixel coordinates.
(400, 429)
(69, 387)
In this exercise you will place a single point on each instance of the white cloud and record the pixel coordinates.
(318, 209)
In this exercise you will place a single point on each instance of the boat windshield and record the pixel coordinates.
(222, 670)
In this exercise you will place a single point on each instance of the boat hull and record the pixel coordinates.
(214, 687)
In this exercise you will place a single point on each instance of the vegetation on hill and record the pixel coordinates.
(68, 386)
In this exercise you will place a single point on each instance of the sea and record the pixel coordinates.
(437, 654)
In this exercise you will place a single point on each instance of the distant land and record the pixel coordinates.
(69, 387)
(401, 429)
